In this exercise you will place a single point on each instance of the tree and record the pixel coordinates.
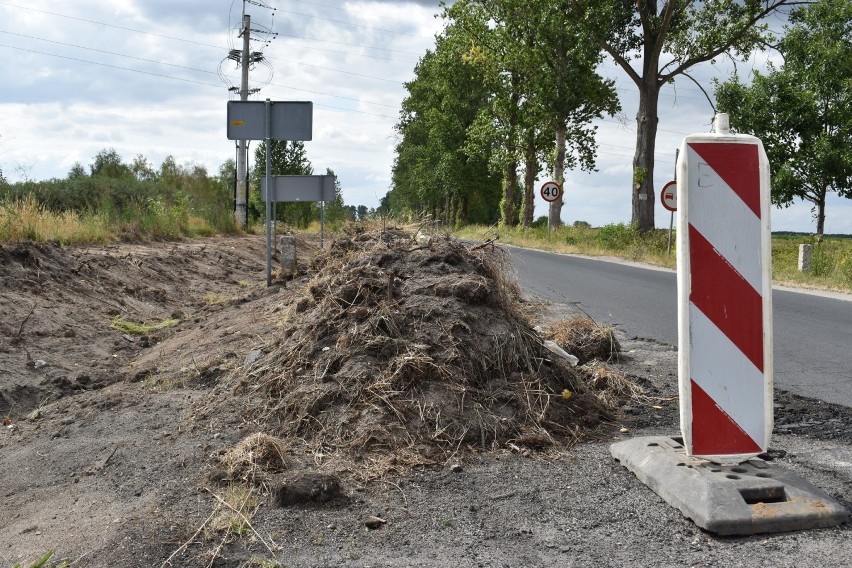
(77, 171)
(670, 37)
(142, 168)
(435, 170)
(335, 213)
(803, 111)
(545, 82)
(287, 158)
(108, 164)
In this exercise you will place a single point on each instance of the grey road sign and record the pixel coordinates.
(299, 188)
(289, 120)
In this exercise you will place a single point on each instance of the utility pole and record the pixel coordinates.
(245, 59)
(240, 210)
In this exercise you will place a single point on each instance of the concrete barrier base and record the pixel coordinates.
(740, 499)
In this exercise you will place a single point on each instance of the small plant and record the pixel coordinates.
(234, 518)
(216, 299)
(134, 328)
(45, 562)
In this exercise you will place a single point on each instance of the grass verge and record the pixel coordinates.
(832, 261)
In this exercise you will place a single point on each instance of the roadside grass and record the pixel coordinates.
(621, 240)
(27, 219)
(832, 260)
(137, 328)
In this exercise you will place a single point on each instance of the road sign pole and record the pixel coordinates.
(551, 191)
(724, 295)
(671, 215)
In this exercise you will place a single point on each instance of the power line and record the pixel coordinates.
(190, 80)
(164, 36)
(345, 23)
(188, 68)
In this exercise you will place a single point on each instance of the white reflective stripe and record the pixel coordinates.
(719, 214)
(726, 375)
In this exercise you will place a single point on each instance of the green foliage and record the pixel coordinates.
(670, 38)
(803, 111)
(288, 158)
(176, 201)
(831, 264)
(440, 169)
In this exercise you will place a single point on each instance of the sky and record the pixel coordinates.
(143, 77)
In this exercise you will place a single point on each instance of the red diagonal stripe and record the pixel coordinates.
(726, 298)
(714, 433)
(738, 165)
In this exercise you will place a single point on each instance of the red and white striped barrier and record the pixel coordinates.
(724, 295)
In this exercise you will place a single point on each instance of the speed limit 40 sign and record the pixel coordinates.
(550, 191)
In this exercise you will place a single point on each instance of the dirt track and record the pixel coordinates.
(113, 440)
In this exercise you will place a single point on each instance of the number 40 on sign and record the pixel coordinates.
(550, 191)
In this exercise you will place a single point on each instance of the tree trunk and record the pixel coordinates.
(512, 166)
(820, 212)
(554, 218)
(531, 166)
(643, 161)
(509, 193)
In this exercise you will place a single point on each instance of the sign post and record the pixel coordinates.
(668, 197)
(724, 295)
(551, 191)
(270, 120)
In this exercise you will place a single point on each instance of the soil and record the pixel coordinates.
(260, 429)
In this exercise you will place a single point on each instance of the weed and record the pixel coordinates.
(45, 562)
(235, 518)
(134, 328)
(215, 299)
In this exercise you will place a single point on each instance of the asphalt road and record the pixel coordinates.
(812, 333)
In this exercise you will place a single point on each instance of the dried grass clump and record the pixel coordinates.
(255, 457)
(404, 352)
(611, 386)
(584, 338)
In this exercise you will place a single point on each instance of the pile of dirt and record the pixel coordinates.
(406, 351)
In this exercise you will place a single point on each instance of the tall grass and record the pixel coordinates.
(832, 261)
(178, 202)
(28, 220)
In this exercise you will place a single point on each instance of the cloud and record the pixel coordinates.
(141, 76)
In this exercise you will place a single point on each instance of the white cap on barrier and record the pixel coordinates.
(722, 123)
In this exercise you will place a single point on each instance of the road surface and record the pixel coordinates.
(813, 333)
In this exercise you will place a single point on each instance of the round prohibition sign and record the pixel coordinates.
(668, 196)
(550, 191)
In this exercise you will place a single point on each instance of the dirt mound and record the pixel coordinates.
(403, 351)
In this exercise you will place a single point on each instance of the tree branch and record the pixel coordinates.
(668, 15)
(623, 63)
(691, 78)
(769, 8)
